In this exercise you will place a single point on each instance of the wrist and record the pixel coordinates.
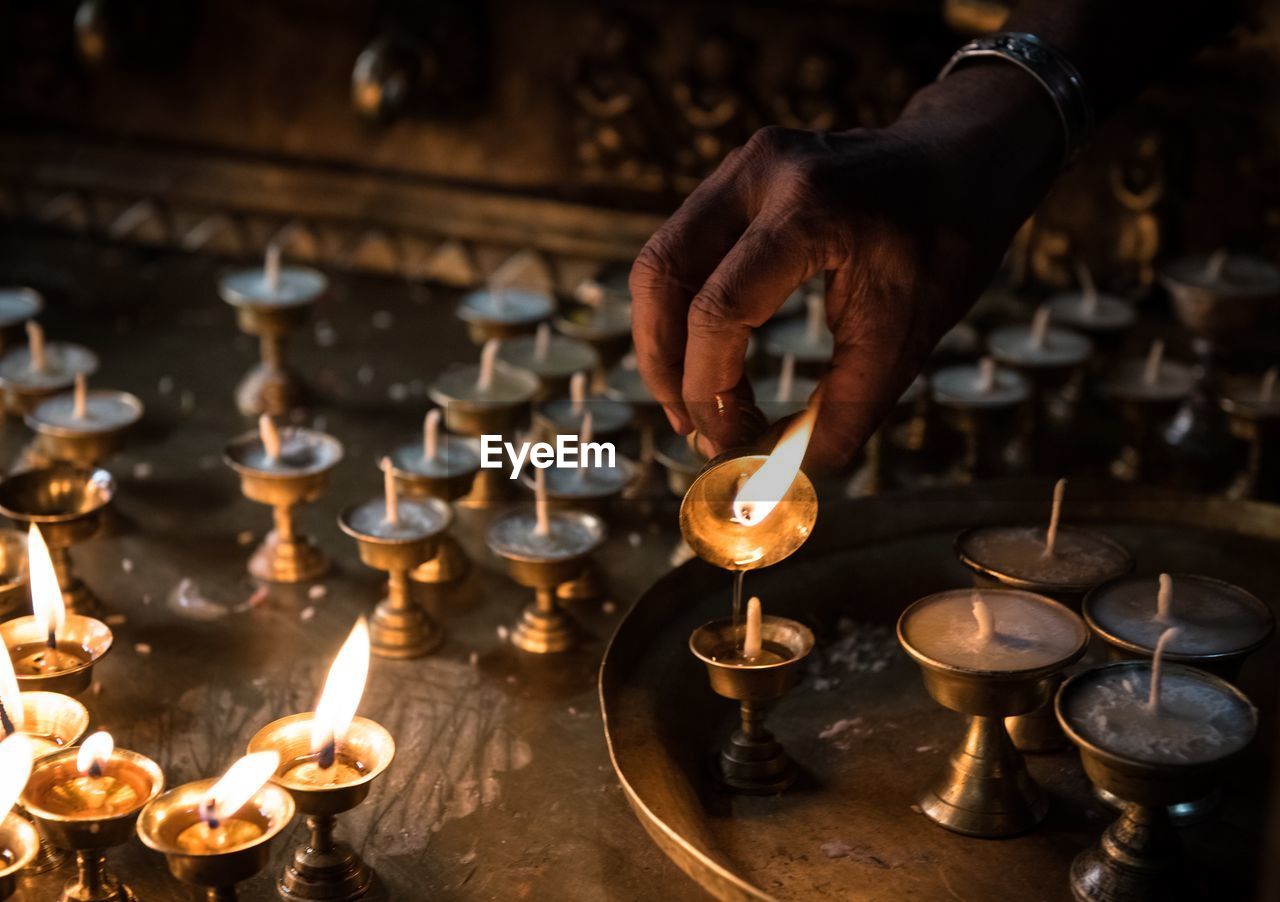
(993, 122)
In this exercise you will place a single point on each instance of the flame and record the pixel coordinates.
(342, 689)
(15, 767)
(46, 596)
(237, 786)
(760, 494)
(10, 696)
(95, 752)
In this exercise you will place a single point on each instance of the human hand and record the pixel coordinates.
(908, 223)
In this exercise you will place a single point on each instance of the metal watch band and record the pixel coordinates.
(1047, 66)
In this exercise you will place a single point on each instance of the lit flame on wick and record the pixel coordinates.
(95, 753)
(10, 698)
(46, 596)
(238, 785)
(760, 494)
(341, 695)
(15, 767)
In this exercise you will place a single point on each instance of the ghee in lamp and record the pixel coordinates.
(217, 828)
(1157, 713)
(97, 790)
(327, 764)
(743, 513)
(1216, 621)
(1002, 630)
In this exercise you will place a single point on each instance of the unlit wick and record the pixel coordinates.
(35, 343)
(271, 267)
(431, 434)
(986, 375)
(389, 492)
(488, 358)
(1088, 290)
(751, 641)
(1155, 357)
(985, 619)
(1164, 599)
(816, 310)
(1055, 514)
(541, 508)
(542, 342)
(1040, 327)
(787, 378)
(1216, 263)
(270, 436)
(79, 409)
(1268, 389)
(1157, 665)
(578, 392)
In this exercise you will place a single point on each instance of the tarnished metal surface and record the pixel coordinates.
(501, 788)
(862, 727)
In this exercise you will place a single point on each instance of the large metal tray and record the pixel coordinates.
(869, 741)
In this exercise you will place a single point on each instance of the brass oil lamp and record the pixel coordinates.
(328, 762)
(217, 833)
(284, 468)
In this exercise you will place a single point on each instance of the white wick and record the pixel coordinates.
(1155, 357)
(986, 620)
(787, 378)
(815, 315)
(1268, 389)
(578, 392)
(1088, 290)
(542, 342)
(986, 375)
(541, 508)
(270, 436)
(1216, 263)
(80, 408)
(586, 431)
(488, 358)
(389, 492)
(431, 434)
(1164, 599)
(271, 267)
(35, 344)
(1055, 514)
(751, 641)
(1040, 327)
(1157, 665)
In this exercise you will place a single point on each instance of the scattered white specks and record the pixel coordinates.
(307, 613)
(836, 849)
(843, 732)
(96, 688)
(474, 659)
(187, 403)
(115, 620)
(146, 598)
(609, 607)
(382, 319)
(142, 648)
(503, 633)
(397, 391)
(924, 748)
(917, 809)
(318, 591)
(326, 335)
(634, 539)
(244, 537)
(126, 564)
(166, 385)
(573, 712)
(143, 470)
(364, 375)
